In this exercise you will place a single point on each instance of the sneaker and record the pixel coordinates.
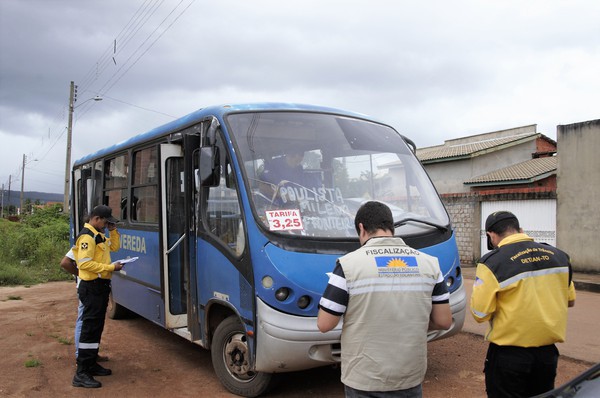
(101, 358)
(85, 380)
(97, 370)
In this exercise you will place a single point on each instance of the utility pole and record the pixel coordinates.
(22, 184)
(2, 208)
(69, 138)
(9, 181)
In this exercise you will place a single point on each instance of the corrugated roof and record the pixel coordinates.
(469, 149)
(525, 171)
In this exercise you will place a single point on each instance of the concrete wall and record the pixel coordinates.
(448, 177)
(578, 190)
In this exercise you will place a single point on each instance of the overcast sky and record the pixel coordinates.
(434, 70)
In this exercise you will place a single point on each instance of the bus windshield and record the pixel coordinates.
(308, 173)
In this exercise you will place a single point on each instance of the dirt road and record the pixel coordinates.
(36, 323)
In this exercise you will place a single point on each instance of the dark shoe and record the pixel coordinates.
(85, 380)
(97, 370)
(101, 359)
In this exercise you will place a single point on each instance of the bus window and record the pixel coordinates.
(145, 186)
(309, 173)
(223, 214)
(115, 185)
(97, 183)
(85, 195)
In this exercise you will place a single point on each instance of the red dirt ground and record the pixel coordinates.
(37, 323)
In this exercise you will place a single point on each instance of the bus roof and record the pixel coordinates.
(219, 111)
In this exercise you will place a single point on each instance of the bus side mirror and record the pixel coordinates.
(210, 166)
(211, 133)
(410, 143)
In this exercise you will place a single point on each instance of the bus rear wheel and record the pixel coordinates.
(231, 360)
(114, 310)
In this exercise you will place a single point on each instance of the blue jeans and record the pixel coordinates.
(414, 392)
(78, 324)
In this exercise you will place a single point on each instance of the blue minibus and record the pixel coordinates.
(238, 212)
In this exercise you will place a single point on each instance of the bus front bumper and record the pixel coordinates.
(287, 343)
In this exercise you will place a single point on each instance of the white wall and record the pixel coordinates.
(536, 217)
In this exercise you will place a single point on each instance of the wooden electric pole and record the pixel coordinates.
(69, 138)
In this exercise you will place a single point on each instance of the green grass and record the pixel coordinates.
(32, 363)
(31, 250)
(65, 341)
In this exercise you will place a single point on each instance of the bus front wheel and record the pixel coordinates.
(231, 360)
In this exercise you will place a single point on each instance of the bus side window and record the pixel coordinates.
(115, 183)
(144, 206)
(223, 212)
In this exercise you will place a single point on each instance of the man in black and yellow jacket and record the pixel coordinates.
(523, 289)
(92, 254)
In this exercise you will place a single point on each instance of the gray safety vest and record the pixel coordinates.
(384, 335)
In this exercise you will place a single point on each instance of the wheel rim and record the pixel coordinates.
(235, 356)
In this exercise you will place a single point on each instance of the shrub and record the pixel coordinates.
(31, 250)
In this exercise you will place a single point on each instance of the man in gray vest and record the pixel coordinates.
(390, 295)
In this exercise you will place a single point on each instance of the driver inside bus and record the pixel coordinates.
(286, 170)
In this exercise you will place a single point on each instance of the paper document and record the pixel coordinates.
(127, 260)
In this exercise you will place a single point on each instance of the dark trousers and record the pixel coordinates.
(94, 296)
(519, 372)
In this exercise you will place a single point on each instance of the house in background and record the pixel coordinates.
(513, 169)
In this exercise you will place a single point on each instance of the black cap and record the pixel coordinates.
(104, 212)
(494, 219)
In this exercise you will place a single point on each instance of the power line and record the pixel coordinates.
(148, 48)
(139, 107)
(105, 59)
(139, 19)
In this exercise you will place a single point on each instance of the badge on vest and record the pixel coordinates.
(397, 265)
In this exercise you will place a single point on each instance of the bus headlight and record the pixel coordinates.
(449, 282)
(267, 282)
(303, 302)
(282, 293)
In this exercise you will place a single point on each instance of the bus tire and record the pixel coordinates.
(114, 310)
(230, 359)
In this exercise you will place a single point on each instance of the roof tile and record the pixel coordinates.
(526, 170)
(450, 151)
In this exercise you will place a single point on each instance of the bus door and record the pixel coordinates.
(173, 236)
(76, 208)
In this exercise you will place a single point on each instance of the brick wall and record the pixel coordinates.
(542, 186)
(464, 214)
(543, 145)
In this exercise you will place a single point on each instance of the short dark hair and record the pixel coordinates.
(374, 215)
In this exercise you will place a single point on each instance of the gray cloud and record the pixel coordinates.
(433, 70)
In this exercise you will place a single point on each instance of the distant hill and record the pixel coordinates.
(43, 197)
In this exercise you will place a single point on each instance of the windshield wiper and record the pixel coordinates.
(418, 220)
